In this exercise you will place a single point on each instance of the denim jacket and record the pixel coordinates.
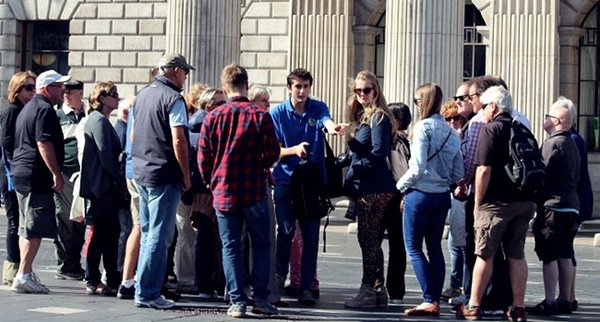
(445, 168)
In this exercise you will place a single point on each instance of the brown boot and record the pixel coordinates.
(366, 298)
(9, 271)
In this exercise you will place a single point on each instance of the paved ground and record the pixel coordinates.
(339, 271)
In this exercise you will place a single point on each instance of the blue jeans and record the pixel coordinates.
(286, 221)
(424, 218)
(459, 273)
(230, 229)
(158, 206)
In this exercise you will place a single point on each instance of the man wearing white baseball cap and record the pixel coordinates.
(37, 159)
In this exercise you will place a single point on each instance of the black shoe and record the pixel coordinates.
(543, 308)
(574, 306)
(74, 276)
(126, 293)
(516, 314)
(291, 291)
(316, 294)
(564, 307)
(170, 295)
(307, 298)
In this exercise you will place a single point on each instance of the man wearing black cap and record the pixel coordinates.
(161, 172)
(70, 234)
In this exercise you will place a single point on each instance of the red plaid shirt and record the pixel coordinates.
(237, 145)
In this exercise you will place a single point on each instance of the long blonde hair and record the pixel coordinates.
(358, 114)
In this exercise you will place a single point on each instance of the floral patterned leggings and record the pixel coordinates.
(369, 211)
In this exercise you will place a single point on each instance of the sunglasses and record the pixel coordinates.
(416, 101)
(461, 97)
(472, 96)
(29, 87)
(219, 103)
(548, 116)
(453, 118)
(366, 90)
(113, 95)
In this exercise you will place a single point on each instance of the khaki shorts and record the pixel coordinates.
(37, 215)
(135, 201)
(503, 224)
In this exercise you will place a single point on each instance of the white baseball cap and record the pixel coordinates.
(50, 77)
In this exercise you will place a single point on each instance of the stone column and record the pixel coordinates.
(364, 47)
(321, 41)
(524, 51)
(207, 33)
(569, 61)
(424, 43)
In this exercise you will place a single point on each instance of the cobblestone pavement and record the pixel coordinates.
(339, 271)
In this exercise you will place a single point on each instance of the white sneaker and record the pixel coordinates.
(458, 300)
(32, 285)
(159, 303)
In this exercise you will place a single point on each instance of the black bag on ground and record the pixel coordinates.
(309, 198)
(525, 166)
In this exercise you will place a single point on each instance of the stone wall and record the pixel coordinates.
(264, 44)
(120, 40)
(117, 40)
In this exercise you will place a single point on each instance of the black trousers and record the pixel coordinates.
(104, 242)
(11, 207)
(392, 222)
(209, 272)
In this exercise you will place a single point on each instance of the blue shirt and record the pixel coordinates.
(445, 168)
(292, 129)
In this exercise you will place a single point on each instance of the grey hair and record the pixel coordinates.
(206, 99)
(499, 96)
(564, 102)
(257, 90)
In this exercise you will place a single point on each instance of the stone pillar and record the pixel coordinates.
(207, 33)
(569, 61)
(524, 51)
(321, 41)
(364, 47)
(424, 43)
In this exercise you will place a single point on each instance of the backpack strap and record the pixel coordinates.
(441, 146)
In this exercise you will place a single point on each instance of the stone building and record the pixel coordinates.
(542, 48)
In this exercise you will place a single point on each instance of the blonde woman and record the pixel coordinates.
(21, 89)
(370, 181)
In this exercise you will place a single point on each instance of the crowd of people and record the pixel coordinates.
(193, 194)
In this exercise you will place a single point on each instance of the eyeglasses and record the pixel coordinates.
(453, 118)
(548, 116)
(472, 96)
(366, 90)
(416, 100)
(113, 95)
(461, 97)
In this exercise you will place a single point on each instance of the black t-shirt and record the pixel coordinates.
(37, 122)
(492, 150)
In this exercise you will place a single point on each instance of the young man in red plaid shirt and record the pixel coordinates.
(237, 145)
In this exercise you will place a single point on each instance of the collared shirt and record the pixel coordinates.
(237, 145)
(69, 118)
(427, 171)
(470, 150)
(293, 128)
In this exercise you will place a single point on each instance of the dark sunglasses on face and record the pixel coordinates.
(366, 90)
(113, 95)
(461, 97)
(472, 96)
(29, 87)
(453, 118)
(219, 103)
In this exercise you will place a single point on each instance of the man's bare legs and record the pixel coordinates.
(560, 270)
(482, 272)
(28, 249)
(518, 280)
(132, 251)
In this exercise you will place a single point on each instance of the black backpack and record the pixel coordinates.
(525, 167)
(309, 197)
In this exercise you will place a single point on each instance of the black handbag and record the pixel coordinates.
(334, 165)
